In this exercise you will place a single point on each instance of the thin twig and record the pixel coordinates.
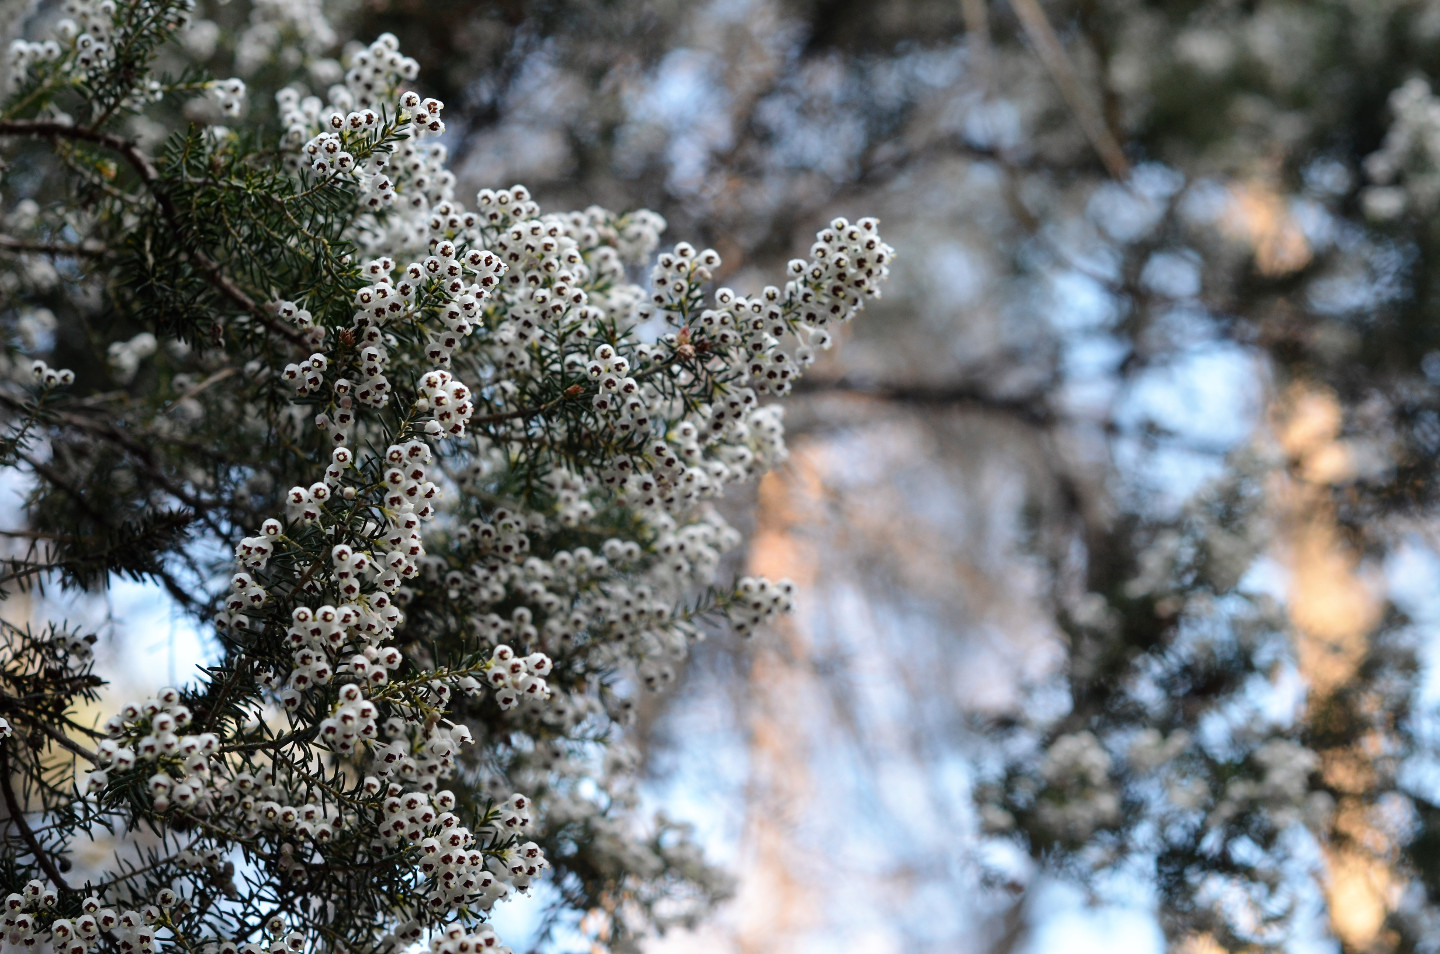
(522, 412)
(60, 738)
(977, 41)
(118, 879)
(38, 535)
(278, 742)
(213, 379)
(1057, 63)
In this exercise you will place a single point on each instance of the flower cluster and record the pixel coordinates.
(260, 803)
(518, 677)
(229, 95)
(83, 44)
(51, 377)
(1281, 788)
(461, 874)
(288, 30)
(87, 34)
(1076, 770)
(620, 397)
(149, 732)
(449, 399)
(1406, 169)
(456, 940)
(125, 356)
(132, 932)
(760, 600)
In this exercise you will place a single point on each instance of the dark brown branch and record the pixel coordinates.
(46, 864)
(1030, 408)
(50, 129)
(146, 169)
(48, 474)
(57, 736)
(86, 249)
(144, 453)
(37, 535)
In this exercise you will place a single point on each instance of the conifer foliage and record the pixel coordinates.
(461, 465)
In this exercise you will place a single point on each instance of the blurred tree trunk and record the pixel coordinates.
(1335, 608)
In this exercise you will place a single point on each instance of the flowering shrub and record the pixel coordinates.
(466, 464)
